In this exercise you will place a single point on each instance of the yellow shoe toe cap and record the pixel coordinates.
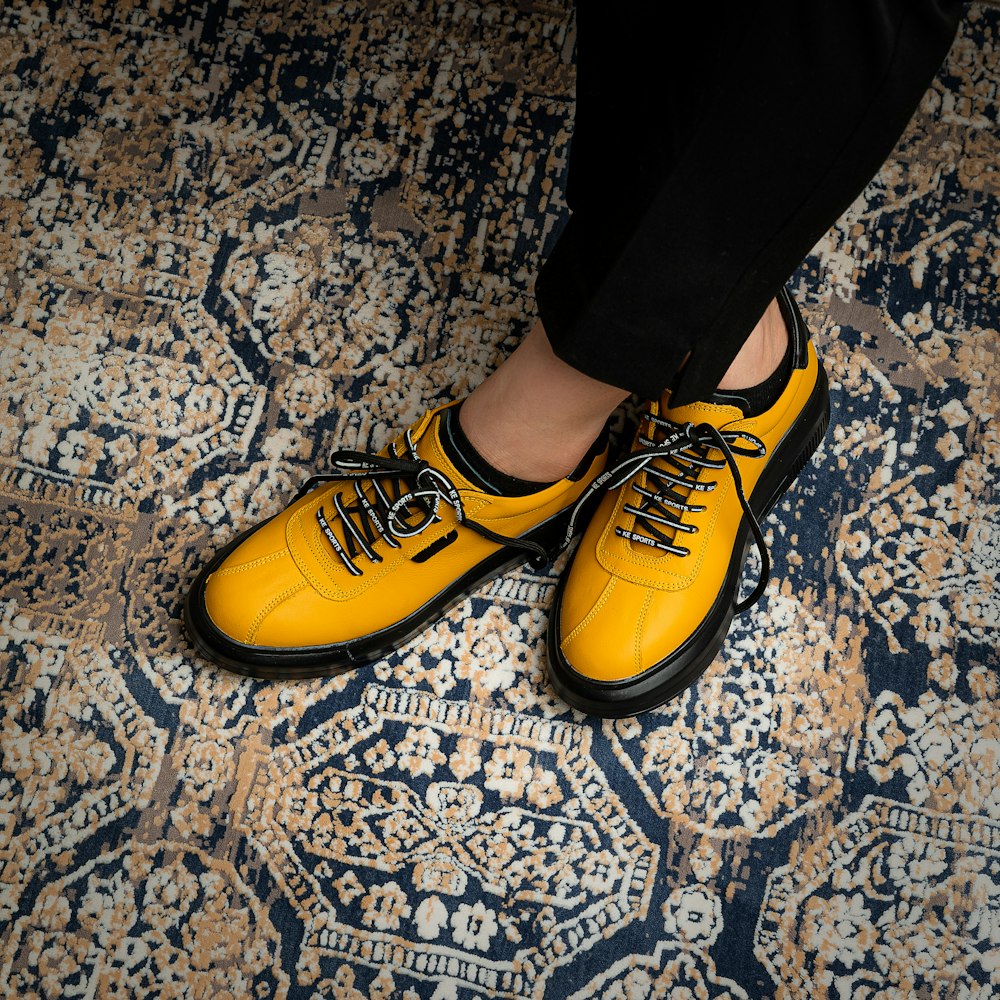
(242, 592)
(602, 632)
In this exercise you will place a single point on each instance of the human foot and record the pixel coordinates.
(761, 354)
(367, 557)
(650, 594)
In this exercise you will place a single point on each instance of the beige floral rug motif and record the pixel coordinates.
(234, 236)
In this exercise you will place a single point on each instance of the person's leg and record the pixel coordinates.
(700, 175)
(706, 165)
(371, 553)
(801, 106)
(535, 416)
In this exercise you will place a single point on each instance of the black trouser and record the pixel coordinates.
(705, 166)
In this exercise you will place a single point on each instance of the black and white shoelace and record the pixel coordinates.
(405, 499)
(671, 464)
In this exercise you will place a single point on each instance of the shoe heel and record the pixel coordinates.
(789, 473)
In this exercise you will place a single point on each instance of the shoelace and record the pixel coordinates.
(419, 490)
(685, 448)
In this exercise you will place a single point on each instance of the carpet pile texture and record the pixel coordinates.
(234, 236)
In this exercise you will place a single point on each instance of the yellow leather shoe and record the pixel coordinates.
(652, 588)
(367, 557)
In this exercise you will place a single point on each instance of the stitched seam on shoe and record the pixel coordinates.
(474, 504)
(686, 581)
(252, 564)
(270, 606)
(643, 613)
(679, 582)
(637, 558)
(321, 554)
(335, 569)
(794, 404)
(474, 500)
(619, 565)
(608, 532)
(592, 614)
(752, 423)
(373, 573)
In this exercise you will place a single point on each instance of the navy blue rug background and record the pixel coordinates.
(239, 235)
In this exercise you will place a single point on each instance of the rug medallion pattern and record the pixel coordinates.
(237, 235)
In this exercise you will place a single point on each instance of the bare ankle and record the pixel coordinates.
(535, 417)
(762, 352)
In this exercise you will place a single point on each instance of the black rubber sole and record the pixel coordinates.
(673, 675)
(298, 663)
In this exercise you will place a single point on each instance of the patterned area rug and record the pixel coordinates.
(238, 235)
